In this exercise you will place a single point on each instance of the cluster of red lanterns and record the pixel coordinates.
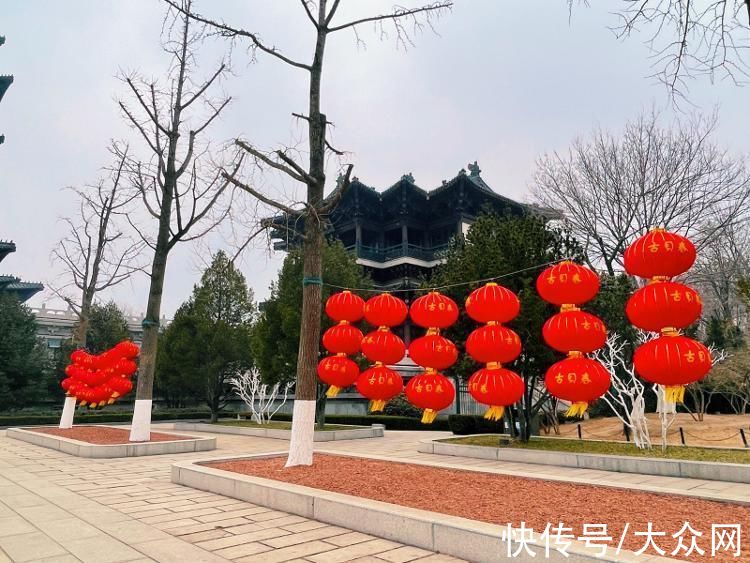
(494, 345)
(341, 340)
(431, 390)
(577, 378)
(666, 306)
(98, 380)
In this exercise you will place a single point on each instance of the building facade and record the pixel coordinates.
(13, 285)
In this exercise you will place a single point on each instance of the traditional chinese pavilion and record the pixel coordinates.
(11, 284)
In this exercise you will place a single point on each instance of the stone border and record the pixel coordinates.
(356, 432)
(101, 451)
(459, 537)
(712, 471)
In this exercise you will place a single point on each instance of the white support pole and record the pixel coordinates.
(69, 409)
(303, 433)
(140, 431)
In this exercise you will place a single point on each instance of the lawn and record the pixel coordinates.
(610, 448)
(279, 425)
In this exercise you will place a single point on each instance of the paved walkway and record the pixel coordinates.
(59, 508)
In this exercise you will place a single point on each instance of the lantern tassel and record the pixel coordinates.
(333, 391)
(429, 416)
(674, 393)
(377, 405)
(494, 413)
(577, 409)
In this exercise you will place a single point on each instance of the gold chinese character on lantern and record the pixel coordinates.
(576, 278)
(586, 325)
(563, 278)
(682, 247)
(669, 245)
(483, 389)
(551, 279)
(559, 377)
(676, 296)
(439, 388)
(572, 377)
(690, 356)
(653, 247)
(586, 378)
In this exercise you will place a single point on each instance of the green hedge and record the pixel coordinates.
(390, 422)
(95, 418)
(464, 424)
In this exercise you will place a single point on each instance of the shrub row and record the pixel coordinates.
(464, 424)
(95, 418)
(390, 422)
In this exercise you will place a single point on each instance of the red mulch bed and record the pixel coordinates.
(104, 435)
(502, 499)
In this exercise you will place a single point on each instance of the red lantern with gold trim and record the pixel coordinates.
(431, 391)
(383, 346)
(379, 384)
(578, 380)
(493, 343)
(343, 339)
(659, 254)
(345, 306)
(574, 331)
(434, 310)
(492, 303)
(664, 304)
(567, 283)
(498, 388)
(433, 351)
(672, 361)
(385, 310)
(337, 371)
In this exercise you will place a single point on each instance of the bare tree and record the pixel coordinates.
(322, 16)
(179, 186)
(95, 252)
(613, 189)
(689, 38)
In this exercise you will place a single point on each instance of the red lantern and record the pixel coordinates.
(578, 380)
(383, 346)
(672, 361)
(385, 310)
(493, 343)
(379, 384)
(120, 386)
(342, 339)
(337, 371)
(125, 367)
(659, 253)
(498, 388)
(434, 310)
(492, 303)
(574, 331)
(664, 305)
(567, 283)
(127, 349)
(431, 391)
(433, 351)
(345, 306)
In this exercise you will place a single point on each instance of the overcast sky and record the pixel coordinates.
(501, 83)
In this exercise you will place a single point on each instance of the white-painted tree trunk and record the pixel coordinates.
(69, 409)
(303, 432)
(140, 431)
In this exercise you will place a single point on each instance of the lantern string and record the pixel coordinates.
(458, 284)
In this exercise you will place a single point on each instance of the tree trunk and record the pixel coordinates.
(320, 408)
(81, 329)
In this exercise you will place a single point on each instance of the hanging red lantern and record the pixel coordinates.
(574, 331)
(433, 351)
(493, 343)
(492, 303)
(345, 306)
(498, 388)
(434, 310)
(339, 372)
(664, 304)
(385, 310)
(343, 339)
(567, 283)
(380, 384)
(672, 361)
(126, 349)
(383, 346)
(659, 254)
(431, 391)
(578, 380)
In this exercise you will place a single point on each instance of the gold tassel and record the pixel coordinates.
(674, 393)
(333, 391)
(377, 405)
(82, 404)
(429, 416)
(494, 413)
(577, 409)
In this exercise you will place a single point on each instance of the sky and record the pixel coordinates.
(498, 81)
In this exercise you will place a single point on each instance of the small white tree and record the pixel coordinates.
(258, 396)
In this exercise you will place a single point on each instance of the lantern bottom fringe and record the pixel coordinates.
(333, 391)
(674, 393)
(377, 405)
(494, 413)
(429, 416)
(577, 409)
